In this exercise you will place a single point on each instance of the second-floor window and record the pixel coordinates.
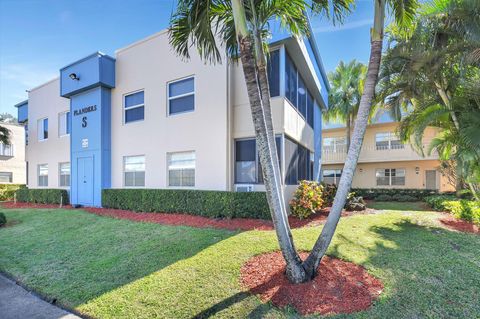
(43, 175)
(134, 171)
(64, 174)
(390, 176)
(334, 144)
(134, 105)
(63, 123)
(387, 141)
(42, 129)
(181, 96)
(273, 70)
(6, 149)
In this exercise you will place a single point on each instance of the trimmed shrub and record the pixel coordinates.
(404, 198)
(42, 195)
(384, 198)
(307, 199)
(468, 210)
(3, 219)
(8, 190)
(355, 203)
(213, 204)
(373, 193)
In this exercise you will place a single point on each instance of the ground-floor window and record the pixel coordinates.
(298, 162)
(181, 169)
(134, 171)
(64, 174)
(6, 177)
(331, 176)
(247, 161)
(390, 176)
(43, 175)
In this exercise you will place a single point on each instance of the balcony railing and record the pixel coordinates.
(378, 153)
(6, 150)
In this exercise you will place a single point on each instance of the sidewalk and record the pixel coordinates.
(17, 303)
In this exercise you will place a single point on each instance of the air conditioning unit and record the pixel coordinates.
(243, 188)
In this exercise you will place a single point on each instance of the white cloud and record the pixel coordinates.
(345, 26)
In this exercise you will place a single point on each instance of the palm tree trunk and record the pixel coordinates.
(265, 139)
(348, 131)
(311, 263)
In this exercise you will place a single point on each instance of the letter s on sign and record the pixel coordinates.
(84, 121)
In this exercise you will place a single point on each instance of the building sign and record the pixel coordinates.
(88, 109)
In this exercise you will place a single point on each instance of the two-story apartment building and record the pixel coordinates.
(146, 118)
(12, 156)
(384, 162)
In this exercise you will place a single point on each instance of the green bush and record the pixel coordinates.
(196, 202)
(468, 210)
(42, 195)
(8, 190)
(384, 198)
(3, 219)
(355, 203)
(373, 193)
(329, 191)
(307, 199)
(404, 198)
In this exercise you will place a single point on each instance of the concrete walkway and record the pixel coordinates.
(17, 303)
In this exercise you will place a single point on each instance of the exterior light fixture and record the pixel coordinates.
(417, 170)
(361, 170)
(74, 76)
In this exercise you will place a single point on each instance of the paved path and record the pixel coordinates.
(17, 303)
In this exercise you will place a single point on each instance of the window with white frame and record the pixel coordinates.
(6, 149)
(334, 144)
(6, 177)
(390, 176)
(331, 176)
(64, 174)
(181, 96)
(42, 129)
(43, 175)
(134, 105)
(181, 169)
(387, 141)
(63, 123)
(134, 171)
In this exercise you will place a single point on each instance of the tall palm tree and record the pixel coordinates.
(242, 26)
(346, 90)
(4, 135)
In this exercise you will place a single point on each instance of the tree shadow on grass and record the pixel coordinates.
(419, 266)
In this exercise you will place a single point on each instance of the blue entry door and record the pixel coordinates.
(85, 181)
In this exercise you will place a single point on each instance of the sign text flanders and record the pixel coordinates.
(91, 108)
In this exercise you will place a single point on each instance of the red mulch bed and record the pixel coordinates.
(459, 225)
(339, 287)
(31, 205)
(193, 220)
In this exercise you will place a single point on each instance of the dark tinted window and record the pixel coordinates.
(273, 70)
(290, 81)
(310, 110)
(302, 97)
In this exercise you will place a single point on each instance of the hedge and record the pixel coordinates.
(394, 194)
(460, 208)
(42, 195)
(8, 190)
(196, 202)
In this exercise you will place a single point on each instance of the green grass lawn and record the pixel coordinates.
(109, 268)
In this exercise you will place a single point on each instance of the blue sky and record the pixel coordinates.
(38, 37)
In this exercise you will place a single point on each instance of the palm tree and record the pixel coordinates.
(346, 89)
(242, 27)
(4, 135)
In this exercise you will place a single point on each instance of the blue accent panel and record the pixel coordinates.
(22, 111)
(317, 142)
(94, 70)
(90, 145)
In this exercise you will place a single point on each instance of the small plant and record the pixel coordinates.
(307, 199)
(3, 219)
(355, 203)
(329, 191)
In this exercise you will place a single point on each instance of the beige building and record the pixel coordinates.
(384, 161)
(148, 119)
(12, 156)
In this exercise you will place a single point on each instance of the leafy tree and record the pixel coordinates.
(4, 135)
(346, 90)
(242, 27)
(433, 70)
